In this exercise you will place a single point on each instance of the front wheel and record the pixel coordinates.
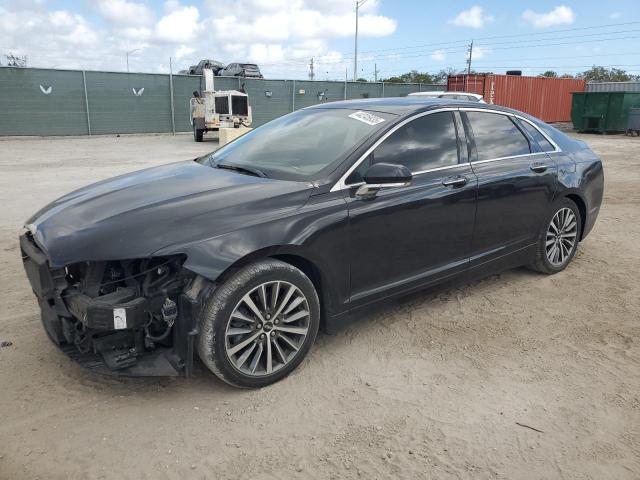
(259, 325)
(559, 238)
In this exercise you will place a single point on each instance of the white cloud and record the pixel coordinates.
(125, 13)
(478, 53)
(438, 55)
(261, 53)
(183, 51)
(281, 34)
(615, 15)
(473, 18)
(561, 15)
(179, 26)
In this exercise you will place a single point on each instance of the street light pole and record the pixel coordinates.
(359, 3)
(129, 53)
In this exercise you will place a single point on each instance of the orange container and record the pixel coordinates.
(549, 99)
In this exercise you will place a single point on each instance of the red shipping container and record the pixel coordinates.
(549, 99)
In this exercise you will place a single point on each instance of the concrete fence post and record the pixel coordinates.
(382, 89)
(293, 97)
(173, 113)
(86, 102)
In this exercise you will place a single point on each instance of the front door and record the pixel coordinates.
(419, 234)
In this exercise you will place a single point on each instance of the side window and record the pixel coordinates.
(537, 136)
(424, 143)
(497, 136)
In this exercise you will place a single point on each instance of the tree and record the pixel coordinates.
(433, 78)
(549, 74)
(361, 79)
(420, 77)
(411, 77)
(602, 74)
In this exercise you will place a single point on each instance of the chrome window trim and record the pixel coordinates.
(341, 185)
(436, 169)
(477, 162)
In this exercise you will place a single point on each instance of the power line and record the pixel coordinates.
(491, 48)
(466, 41)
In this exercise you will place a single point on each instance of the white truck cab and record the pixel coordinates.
(211, 110)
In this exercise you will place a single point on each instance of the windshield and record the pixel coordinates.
(303, 145)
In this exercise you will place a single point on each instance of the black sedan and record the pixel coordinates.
(243, 254)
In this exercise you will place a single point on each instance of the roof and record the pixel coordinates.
(404, 105)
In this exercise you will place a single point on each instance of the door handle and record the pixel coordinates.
(538, 167)
(455, 181)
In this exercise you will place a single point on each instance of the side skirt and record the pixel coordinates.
(512, 260)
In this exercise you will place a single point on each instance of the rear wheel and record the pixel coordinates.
(197, 134)
(259, 325)
(559, 238)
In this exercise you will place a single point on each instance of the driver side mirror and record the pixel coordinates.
(384, 175)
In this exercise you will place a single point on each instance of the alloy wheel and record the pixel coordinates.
(267, 328)
(562, 236)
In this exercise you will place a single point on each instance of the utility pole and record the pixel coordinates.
(311, 74)
(466, 79)
(375, 72)
(359, 3)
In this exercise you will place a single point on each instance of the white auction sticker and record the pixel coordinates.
(366, 117)
(119, 318)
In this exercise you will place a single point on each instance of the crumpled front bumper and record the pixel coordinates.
(48, 284)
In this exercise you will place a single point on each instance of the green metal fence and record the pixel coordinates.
(70, 102)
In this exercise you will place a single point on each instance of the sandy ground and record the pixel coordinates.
(427, 387)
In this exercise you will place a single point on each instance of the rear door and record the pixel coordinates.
(516, 185)
(418, 234)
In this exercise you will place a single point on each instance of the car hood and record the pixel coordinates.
(137, 214)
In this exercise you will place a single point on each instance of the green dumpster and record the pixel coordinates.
(602, 111)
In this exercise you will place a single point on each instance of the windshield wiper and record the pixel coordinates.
(246, 170)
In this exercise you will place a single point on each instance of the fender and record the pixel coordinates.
(584, 184)
(315, 233)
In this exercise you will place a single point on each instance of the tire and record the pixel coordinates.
(197, 134)
(227, 311)
(563, 253)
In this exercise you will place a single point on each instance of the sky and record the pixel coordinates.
(281, 36)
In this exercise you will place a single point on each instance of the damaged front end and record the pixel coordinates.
(128, 317)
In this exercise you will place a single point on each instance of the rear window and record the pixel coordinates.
(496, 136)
